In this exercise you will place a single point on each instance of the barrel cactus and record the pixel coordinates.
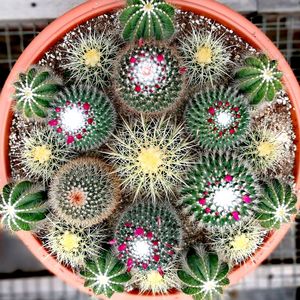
(35, 91)
(218, 118)
(22, 205)
(147, 19)
(84, 192)
(259, 78)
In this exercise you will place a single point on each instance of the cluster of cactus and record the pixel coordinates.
(35, 91)
(149, 78)
(147, 19)
(82, 117)
(84, 192)
(221, 190)
(22, 205)
(218, 118)
(148, 237)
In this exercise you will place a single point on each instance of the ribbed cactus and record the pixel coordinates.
(149, 78)
(148, 237)
(105, 275)
(22, 205)
(147, 19)
(34, 92)
(220, 191)
(82, 117)
(218, 118)
(84, 192)
(203, 276)
(276, 205)
(260, 78)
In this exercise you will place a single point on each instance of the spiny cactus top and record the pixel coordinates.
(149, 78)
(276, 205)
(82, 117)
(218, 118)
(35, 91)
(147, 19)
(220, 190)
(84, 192)
(22, 205)
(203, 276)
(148, 237)
(259, 78)
(105, 275)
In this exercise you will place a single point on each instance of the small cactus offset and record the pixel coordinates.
(220, 191)
(147, 19)
(84, 192)
(259, 78)
(149, 78)
(22, 205)
(203, 276)
(105, 275)
(35, 91)
(218, 118)
(276, 205)
(82, 118)
(148, 237)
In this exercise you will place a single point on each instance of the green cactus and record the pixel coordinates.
(220, 191)
(147, 19)
(84, 192)
(34, 92)
(149, 78)
(148, 237)
(22, 205)
(259, 78)
(203, 276)
(276, 205)
(105, 275)
(218, 118)
(82, 117)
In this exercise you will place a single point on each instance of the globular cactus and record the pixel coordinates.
(151, 156)
(35, 91)
(148, 237)
(84, 192)
(22, 205)
(206, 57)
(277, 204)
(220, 191)
(218, 118)
(259, 78)
(82, 117)
(105, 275)
(203, 275)
(149, 78)
(147, 19)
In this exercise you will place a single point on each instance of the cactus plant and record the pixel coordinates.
(205, 56)
(203, 276)
(151, 156)
(220, 191)
(82, 117)
(34, 92)
(149, 78)
(84, 192)
(147, 19)
(259, 78)
(148, 237)
(276, 205)
(105, 275)
(218, 118)
(89, 58)
(22, 205)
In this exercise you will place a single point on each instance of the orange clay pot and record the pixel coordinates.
(93, 8)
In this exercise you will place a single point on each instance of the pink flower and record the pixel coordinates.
(211, 110)
(86, 106)
(145, 266)
(112, 242)
(160, 57)
(139, 231)
(129, 262)
(235, 215)
(207, 210)
(202, 201)
(228, 178)
(132, 60)
(138, 88)
(53, 123)
(70, 139)
(247, 199)
(156, 258)
(122, 247)
(150, 235)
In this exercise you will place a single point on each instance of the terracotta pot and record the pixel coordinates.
(90, 9)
